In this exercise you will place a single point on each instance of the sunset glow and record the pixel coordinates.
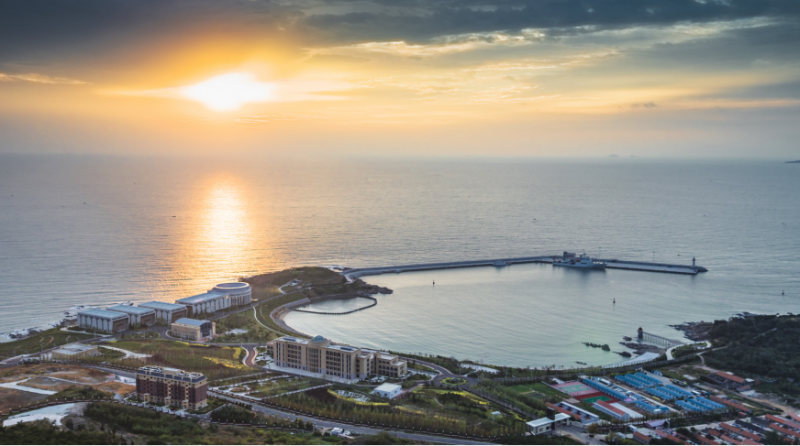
(664, 79)
(228, 92)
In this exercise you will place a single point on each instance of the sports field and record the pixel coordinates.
(594, 399)
(574, 388)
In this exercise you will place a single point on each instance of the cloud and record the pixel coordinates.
(40, 79)
(645, 105)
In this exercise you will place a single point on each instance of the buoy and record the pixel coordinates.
(615, 301)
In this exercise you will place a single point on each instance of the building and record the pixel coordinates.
(584, 416)
(612, 410)
(222, 296)
(192, 329)
(546, 425)
(388, 390)
(319, 355)
(166, 312)
(103, 320)
(173, 387)
(73, 352)
(137, 316)
(728, 380)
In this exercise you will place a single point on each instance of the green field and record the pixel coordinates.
(539, 388)
(216, 362)
(595, 399)
(40, 341)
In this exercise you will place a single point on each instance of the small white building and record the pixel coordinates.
(388, 390)
(545, 426)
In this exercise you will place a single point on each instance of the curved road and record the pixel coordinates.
(320, 422)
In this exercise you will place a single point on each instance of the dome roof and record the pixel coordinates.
(318, 338)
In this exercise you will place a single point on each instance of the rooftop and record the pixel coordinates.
(731, 377)
(205, 297)
(544, 421)
(232, 286)
(130, 309)
(610, 407)
(162, 306)
(388, 387)
(74, 349)
(192, 322)
(96, 312)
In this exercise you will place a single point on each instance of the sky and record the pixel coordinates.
(573, 78)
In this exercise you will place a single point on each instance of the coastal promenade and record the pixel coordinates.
(353, 273)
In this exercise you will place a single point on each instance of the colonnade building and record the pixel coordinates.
(319, 355)
(137, 316)
(165, 311)
(222, 296)
(163, 385)
(119, 318)
(105, 321)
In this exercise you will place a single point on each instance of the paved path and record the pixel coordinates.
(318, 422)
(669, 350)
(579, 434)
(321, 423)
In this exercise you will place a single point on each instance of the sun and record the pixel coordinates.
(228, 92)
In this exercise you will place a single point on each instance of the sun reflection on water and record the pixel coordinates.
(221, 239)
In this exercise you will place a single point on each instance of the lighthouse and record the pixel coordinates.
(693, 262)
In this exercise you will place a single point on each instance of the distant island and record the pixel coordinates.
(793, 162)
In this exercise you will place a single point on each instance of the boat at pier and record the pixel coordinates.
(569, 259)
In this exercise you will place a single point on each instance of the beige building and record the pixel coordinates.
(163, 385)
(319, 355)
(192, 329)
(74, 351)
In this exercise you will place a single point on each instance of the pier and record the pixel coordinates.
(656, 339)
(353, 273)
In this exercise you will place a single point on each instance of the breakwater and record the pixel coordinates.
(353, 273)
(374, 302)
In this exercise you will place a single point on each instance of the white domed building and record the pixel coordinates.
(222, 296)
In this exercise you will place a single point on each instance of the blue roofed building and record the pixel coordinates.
(192, 329)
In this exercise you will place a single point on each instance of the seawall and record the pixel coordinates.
(353, 273)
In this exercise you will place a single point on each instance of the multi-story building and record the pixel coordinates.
(163, 385)
(192, 329)
(222, 296)
(319, 355)
(166, 312)
(103, 320)
(137, 316)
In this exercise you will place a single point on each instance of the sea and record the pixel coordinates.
(95, 230)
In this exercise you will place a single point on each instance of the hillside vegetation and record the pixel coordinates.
(767, 346)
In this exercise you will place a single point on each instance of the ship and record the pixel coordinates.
(582, 261)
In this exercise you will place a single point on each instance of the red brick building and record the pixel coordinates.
(162, 385)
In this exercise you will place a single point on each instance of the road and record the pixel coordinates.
(320, 422)
(669, 350)
(579, 434)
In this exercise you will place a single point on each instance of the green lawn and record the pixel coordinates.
(215, 362)
(539, 388)
(40, 341)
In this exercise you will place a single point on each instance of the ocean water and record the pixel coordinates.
(91, 230)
